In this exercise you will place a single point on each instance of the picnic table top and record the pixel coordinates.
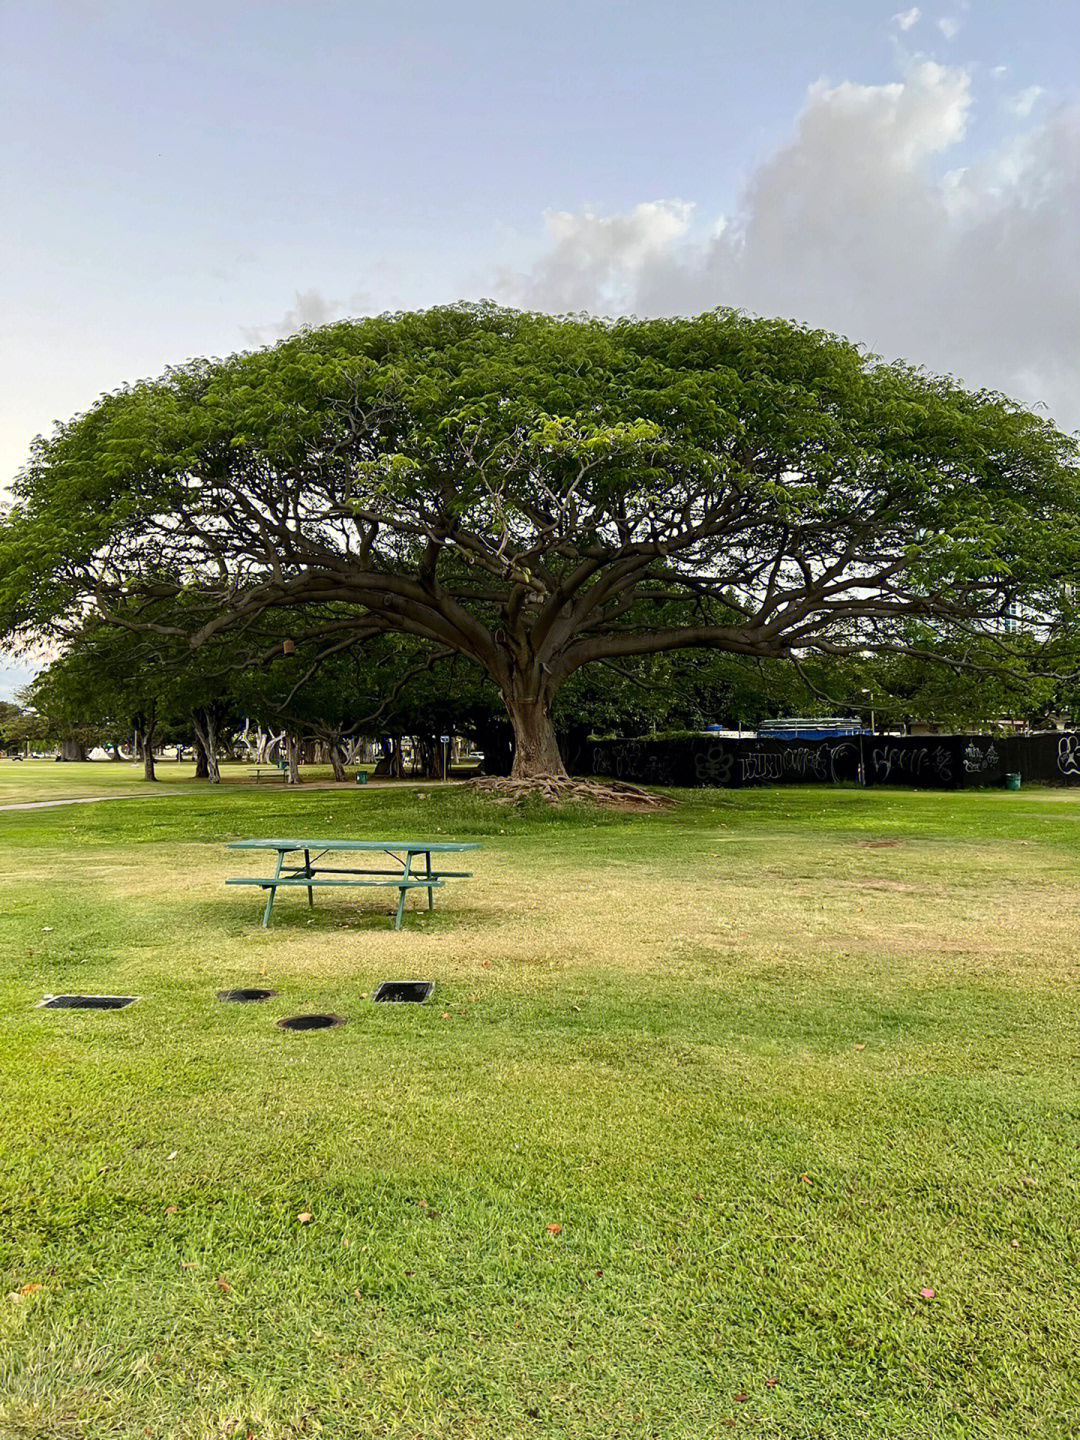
(412, 847)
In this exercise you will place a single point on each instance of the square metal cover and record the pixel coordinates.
(397, 991)
(86, 1002)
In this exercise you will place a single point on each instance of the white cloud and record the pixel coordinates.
(949, 27)
(599, 259)
(312, 308)
(1024, 103)
(907, 18)
(876, 222)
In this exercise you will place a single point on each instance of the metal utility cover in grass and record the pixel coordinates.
(85, 1002)
(244, 997)
(399, 991)
(310, 1022)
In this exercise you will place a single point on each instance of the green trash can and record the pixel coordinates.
(361, 777)
(1012, 781)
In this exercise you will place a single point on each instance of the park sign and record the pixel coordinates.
(539, 494)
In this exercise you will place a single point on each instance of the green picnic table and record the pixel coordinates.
(402, 853)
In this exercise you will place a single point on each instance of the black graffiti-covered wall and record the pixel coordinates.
(946, 762)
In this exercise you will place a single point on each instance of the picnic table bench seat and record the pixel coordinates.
(269, 881)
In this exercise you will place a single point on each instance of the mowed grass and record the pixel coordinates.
(25, 782)
(703, 1102)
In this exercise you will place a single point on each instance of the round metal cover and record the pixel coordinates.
(310, 1022)
(244, 996)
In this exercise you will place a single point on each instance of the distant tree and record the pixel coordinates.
(26, 729)
(98, 692)
(532, 492)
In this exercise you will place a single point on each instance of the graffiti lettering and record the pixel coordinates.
(977, 761)
(713, 766)
(919, 760)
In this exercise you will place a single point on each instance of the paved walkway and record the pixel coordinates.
(90, 800)
(245, 784)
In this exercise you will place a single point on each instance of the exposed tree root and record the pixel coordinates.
(613, 794)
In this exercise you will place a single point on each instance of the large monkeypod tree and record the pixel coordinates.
(540, 494)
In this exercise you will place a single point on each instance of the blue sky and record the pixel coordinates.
(196, 178)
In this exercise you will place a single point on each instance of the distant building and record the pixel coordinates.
(817, 727)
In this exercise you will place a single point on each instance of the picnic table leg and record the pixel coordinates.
(307, 871)
(402, 892)
(430, 891)
(273, 890)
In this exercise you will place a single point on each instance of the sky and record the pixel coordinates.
(196, 178)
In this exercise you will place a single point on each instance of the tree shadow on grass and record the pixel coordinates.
(333, 916)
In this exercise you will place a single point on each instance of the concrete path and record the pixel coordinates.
(234, 785)
(91, 800)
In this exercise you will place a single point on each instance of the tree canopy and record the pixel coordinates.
(541, 493)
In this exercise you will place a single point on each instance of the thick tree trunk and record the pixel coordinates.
(292, 753)
(202, 768)
(536, 746)
(497, 742)
(72, 750)
(146, 738)
(334, 752)
(429, 757)
(205, 725)
(391, 764)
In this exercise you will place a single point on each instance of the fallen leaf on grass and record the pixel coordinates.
(304, 1217)
(487, 964)
(187, 1264)
(1027, 1180)
(172, 1209)
(806, 1179)
(172, 1154)
(223, 1286)
(32, 1289)
(554, 1229)
(772, 1384)
(861, 1047)
(928, 1294)
(445, 1015)
(741, 1398)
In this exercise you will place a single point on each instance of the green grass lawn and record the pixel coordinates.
(772, 1077)
(26, 781)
